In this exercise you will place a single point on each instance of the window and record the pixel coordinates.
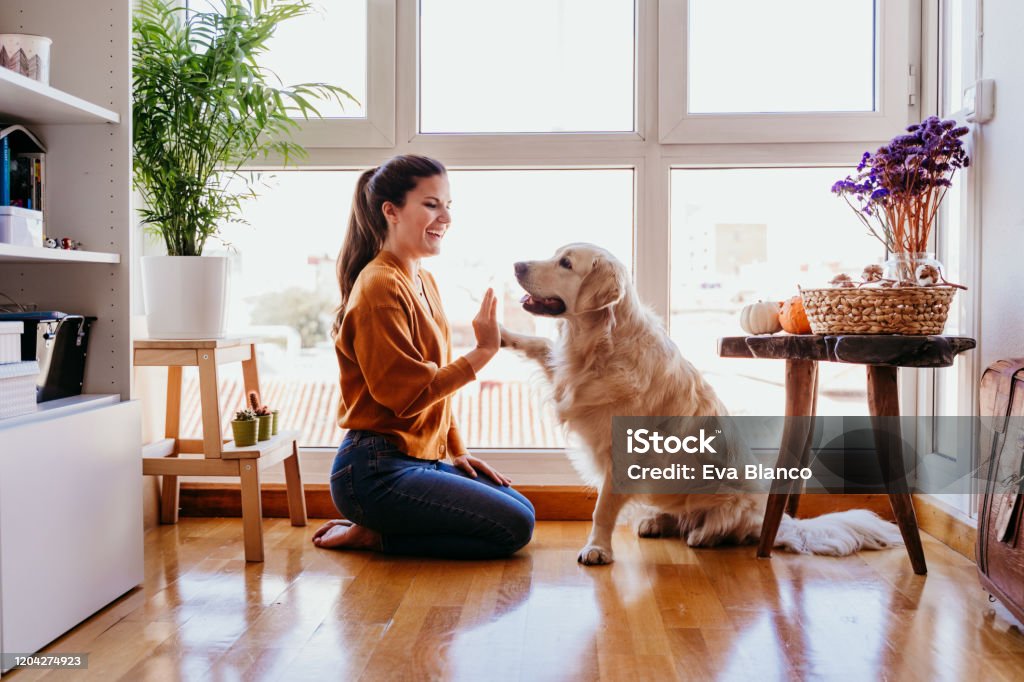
(952, 64)
(740, 235)
(499, 218)
(800, 70)
(954, 236)
(331, 44)
(338, 29)
(949, 391)
(761, 64)
(284, 289)
(533, 66)
(542, 110)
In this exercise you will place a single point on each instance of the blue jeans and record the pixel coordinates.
(426, 508)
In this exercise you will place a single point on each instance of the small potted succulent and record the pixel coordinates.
(263, 415)
(244, 427)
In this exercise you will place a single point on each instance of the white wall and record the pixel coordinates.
(1001, 162)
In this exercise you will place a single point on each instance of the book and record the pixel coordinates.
(16, 177)
(36, 167)
(21, 183)
(5, 172)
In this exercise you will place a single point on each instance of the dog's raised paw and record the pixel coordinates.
(592, 555)
(507, 338)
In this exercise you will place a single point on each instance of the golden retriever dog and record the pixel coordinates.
(614, 357)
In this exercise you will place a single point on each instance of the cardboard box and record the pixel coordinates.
(21, 226)
(18, 388)
(10, 341)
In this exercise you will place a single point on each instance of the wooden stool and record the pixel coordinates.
(883, 355)
(219, 457)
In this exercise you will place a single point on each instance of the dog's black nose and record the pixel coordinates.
(521, 268)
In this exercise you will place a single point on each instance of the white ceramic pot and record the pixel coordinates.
(27, 55)
(185, 296)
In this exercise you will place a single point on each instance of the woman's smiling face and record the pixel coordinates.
(416, 229)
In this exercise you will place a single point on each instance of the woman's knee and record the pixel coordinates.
(518, 523)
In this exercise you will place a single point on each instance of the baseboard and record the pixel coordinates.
(945, 526)
(552, 502)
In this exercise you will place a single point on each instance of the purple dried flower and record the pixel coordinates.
(901, 185)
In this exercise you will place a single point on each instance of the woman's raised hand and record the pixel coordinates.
(485, 324)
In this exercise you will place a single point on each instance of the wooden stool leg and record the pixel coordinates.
(251, 374)
(252, 510)
(799, 398)
(293, 482)
(172, 425)
(883, 401)
(793, 503)
(209, 400)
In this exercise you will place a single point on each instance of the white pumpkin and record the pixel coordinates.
(760, 318)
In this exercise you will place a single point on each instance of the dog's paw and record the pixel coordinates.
(593, 555)
(658, 526)
(649, 527)
(701, 538)
(508, 339)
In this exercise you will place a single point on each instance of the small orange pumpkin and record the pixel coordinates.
(793, 317)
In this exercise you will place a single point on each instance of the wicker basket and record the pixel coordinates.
(904, 310)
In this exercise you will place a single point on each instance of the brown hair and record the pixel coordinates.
(367, 226)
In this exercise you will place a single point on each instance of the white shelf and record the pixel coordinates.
(10, 253)
(62, 407)
(23, 100)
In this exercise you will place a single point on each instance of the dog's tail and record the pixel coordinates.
(837, 534)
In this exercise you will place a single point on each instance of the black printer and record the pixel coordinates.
(58, 341)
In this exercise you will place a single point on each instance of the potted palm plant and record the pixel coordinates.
(203, 107)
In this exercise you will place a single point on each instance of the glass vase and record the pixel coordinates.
(902, 267)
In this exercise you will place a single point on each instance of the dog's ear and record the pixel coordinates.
(602, 288)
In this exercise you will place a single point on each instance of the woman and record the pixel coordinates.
(397, 377)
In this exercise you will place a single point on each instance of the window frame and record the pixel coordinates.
(377, 128)
(927, 397)
(644, 151)
(409, 83)
(896, 75)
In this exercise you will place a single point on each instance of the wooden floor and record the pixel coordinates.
(661, 612)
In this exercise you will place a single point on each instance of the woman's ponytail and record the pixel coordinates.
(367, 226)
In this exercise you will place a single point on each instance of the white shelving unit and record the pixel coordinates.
(71, 472)
(23, 100)
(54, 409)
(10, 253)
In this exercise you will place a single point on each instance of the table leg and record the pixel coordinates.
(800, 389)
(293, 483)
(172, 429)
(793, 503)
(884, 405)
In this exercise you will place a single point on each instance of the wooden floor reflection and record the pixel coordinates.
(661, 612)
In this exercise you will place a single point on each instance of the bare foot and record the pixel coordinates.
(343, 534)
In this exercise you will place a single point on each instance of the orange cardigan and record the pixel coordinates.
(397, 374)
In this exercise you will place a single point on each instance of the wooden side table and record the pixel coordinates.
(219, 457)
(883, 355)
